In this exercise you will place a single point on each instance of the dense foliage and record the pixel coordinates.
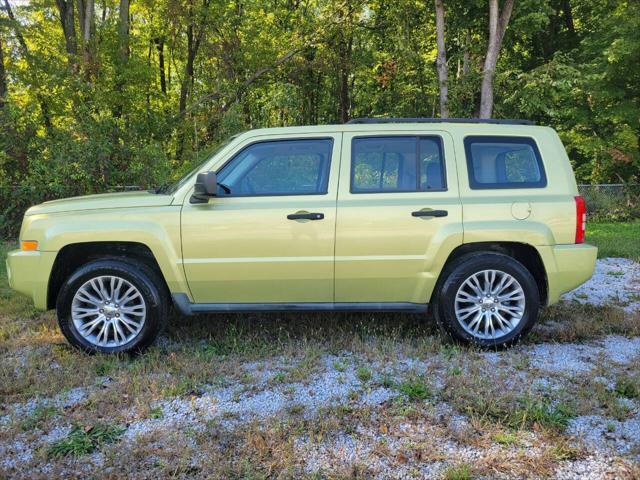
(103, 93)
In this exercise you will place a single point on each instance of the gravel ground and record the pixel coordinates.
(341, 379)
(615, 280)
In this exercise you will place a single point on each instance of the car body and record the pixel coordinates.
(361, 216)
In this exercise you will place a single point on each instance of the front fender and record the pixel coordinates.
(158, 228)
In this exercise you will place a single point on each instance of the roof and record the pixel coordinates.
(494, 121)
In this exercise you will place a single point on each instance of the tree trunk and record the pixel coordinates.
(441, 61)
(568, 17)
(466, 56)
(86, 11)
(160, 48)
(123, 31)
(123, 57)
(345, 55)
(3, 76)
(67, 21)
(497, 27)
(188, 70)
(193, 44)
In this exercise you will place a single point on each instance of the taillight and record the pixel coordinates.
(581, 218)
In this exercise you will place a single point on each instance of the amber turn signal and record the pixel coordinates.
(29, 245)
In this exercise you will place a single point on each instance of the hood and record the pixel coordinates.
(102, 201)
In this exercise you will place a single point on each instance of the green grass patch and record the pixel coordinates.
(84, 440)
(363, 374)
(415, 388)
(457, 472)
(615, 239)
(38, 417)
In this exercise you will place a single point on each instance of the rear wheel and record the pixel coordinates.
(488, 299)
(112, 306)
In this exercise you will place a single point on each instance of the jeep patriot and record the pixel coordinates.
(479, 222)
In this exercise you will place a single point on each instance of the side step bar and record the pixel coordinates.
(184, 306)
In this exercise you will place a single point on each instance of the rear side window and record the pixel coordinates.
(397, 164)
(504, 162)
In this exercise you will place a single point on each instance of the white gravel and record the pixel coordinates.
(615, 280)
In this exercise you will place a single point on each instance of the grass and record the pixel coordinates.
(615, 239)
(457, 472)
(84, 440)
(415, 388)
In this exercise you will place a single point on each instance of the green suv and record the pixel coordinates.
(478, 221)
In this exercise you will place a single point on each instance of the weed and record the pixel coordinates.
(627, 387)
(615, 273)
(38, 417)
(156, 413)
(457, 472)
(505, 438)
(414, 388)
(84, 440)
(363, 374)
(339, 366)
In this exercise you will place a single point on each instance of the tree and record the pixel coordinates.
(3, 75)
(67, 22)
(497, 26)
(441, 59)
(86, 12)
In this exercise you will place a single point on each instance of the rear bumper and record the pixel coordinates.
(28, 274)
(567, 266)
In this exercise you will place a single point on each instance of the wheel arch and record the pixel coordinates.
(74, 255)
(524, 253)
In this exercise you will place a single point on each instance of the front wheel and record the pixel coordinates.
(487, 299)
(112, 306)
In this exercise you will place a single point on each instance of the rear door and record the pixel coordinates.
(398, 209)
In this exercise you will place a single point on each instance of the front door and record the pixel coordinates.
(268, 236)
(398, 206)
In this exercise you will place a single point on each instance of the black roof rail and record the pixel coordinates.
(495, 121)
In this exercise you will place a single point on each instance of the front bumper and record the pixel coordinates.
(28, 274)
(567, 266)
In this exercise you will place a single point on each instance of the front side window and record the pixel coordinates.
(397, 164)
(278, 167)
(504, 162)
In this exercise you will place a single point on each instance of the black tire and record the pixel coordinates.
(148, 283)
(455, 274)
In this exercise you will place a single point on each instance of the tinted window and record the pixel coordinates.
(282, 167)
(396, 164)
(504, 162)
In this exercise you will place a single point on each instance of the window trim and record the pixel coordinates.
(417, 139)
(271, 140)
(475, 185)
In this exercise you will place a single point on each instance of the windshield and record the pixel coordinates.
(171, 188)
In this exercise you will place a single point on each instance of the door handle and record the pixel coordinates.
(430, 213)
(305, 216)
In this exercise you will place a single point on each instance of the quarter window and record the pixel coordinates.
(504, 162)
(397, 164)
(278, 167)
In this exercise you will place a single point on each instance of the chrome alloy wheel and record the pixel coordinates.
(490, 304)
(108, 311)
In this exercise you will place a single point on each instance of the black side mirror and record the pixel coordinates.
(205, 187)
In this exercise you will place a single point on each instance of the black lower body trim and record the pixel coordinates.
(182, 303)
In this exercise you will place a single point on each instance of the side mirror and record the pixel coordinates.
(205, 187)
